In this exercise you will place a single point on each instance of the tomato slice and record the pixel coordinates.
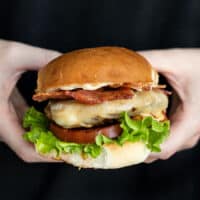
(85, 135)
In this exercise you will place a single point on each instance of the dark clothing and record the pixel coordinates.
(66, 25)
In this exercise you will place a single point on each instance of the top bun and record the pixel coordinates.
(93, 68)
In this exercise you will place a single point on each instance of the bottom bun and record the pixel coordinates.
(112, 156)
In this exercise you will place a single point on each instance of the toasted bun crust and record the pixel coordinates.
(96, 67)
(113, 156)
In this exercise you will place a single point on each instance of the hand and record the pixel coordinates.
(181, 67)
(16, 58)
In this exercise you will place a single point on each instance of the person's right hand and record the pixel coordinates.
(181, 67)
(16, 58)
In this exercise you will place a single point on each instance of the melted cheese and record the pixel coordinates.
(71, 114)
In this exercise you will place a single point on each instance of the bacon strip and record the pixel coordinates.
(43, 96)
(85, 135)
(87, 96)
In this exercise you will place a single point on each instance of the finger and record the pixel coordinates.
(26, 57)
(189, 144)
(182, 129)
(167, 62)
(19, 103)
(159, 59)
(192, 142)
(13, 138)
(150, 159)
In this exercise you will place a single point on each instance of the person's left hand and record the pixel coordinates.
(181, 69)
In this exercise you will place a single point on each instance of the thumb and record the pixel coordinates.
(26, 57)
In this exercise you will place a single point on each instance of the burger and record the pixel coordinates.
(105, 109)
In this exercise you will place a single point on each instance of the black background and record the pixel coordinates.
(66, 25)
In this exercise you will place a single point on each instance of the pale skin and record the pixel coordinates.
(16, 58)
(179, 66)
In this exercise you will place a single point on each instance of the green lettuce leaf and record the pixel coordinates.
(34, 118)
(147, 130)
